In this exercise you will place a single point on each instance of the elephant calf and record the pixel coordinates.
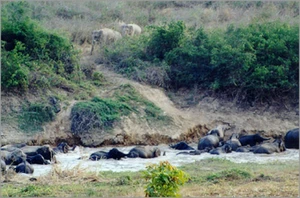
(226, 148)
(24, 167)
(112, 154)
(144, 152)
(37, 159)
(63, 147)
(181, 146)
(234, 142)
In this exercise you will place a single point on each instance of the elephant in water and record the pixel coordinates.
(144, 152)
(243, 149)
(14, 157)
(226, 148)
(291, 139)
(209, 141)
(37, 159)
(112, 154)
(181, 146)
(45, 151)
(63, 147)
(268, 148)
(252, 139)
(195, 152)
(234, 142)
(24, 167)
(220, 130)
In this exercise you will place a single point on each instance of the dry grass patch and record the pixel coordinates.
(76, 175)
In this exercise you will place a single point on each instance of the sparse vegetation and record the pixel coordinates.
(32, 118)
(100, 113)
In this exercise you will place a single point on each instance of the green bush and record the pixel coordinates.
(27, 46)
(255, 62)
(164, 180)
(14, 73)
(165, 38)
(98, 113)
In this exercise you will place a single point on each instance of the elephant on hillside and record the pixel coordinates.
(14, 157)
(252, 139)
(24, 167)
(130, 29)
(226, 148)
(268, 148)
(104, 36)
(181, 146)
(37, 159)
(63, 147)
(291, 139)
(144, 152)
(209, 141)
(44, 150)
(112, 154)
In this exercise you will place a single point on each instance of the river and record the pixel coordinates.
(70, 160)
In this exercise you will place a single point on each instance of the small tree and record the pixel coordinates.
(164, 180)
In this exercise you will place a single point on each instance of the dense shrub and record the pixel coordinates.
(257, 62)
(165, 38)
(164, 180)
(22, 37)
(14, 73)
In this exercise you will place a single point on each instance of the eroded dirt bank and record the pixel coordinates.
(189, 123)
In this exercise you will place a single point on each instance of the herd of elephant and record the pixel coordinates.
(106, 35)
(20, 157)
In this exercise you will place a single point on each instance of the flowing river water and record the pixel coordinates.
(70, 160)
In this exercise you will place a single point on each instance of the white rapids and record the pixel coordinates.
(70, 160)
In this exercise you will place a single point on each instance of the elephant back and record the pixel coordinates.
(208, 141)
(291, 139)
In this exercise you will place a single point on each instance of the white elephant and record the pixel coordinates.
(131, 29)
(104, 36)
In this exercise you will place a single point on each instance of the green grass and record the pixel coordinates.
(210, 177)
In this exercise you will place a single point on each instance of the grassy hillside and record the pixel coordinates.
(245, 51)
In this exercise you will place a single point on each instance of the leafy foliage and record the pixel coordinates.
(101, 113)
(98, 113)
(255, 62)
(164, 180)
(26, 46)
(165, 38)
